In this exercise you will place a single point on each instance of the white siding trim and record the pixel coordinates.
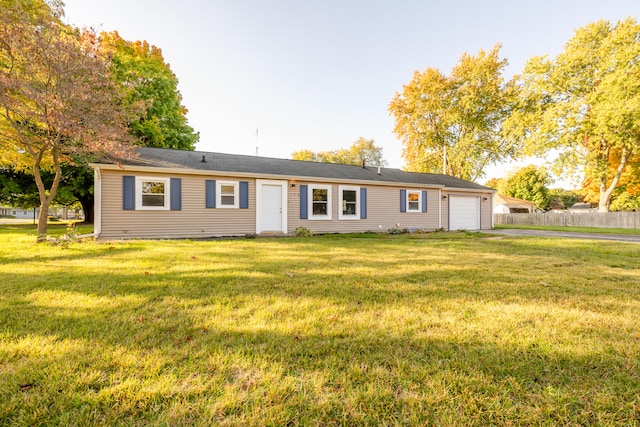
(439, 208)
(310, 214)
(342, 216)
(236, 194)
(97, 203)
(138, 194)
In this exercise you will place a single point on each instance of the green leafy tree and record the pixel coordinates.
(625, 202)
(361, 151)
(46, 118)
(562, 199)
(584, 103)
(140, 70)
(456, 117)
(142, 74)
(18, 189)
(530, 183)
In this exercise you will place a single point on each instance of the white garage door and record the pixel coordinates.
(464, 213)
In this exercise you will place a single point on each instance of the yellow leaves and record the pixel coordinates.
(361, 150)
(462, 112)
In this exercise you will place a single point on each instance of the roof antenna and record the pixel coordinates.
(257, 142)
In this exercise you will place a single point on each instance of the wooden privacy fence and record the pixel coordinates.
(568, 219)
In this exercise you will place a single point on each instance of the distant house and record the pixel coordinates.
(506, 204)
(580, 208)
(19, 213)
(164, 193)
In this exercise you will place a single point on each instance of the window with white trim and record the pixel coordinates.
(152, 193)
(349, 202)
(227, 194)
(319, 202)
(414, 201)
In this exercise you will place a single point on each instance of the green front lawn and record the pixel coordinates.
(396, 330)
(572, 229)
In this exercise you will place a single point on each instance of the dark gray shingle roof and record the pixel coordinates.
(182, 159)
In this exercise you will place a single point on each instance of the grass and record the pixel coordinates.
(442, 329)
(572, 229)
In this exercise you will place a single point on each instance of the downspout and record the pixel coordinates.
(97, 202)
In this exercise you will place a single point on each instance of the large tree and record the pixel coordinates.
(57, 99)
(530, 183)
(140, 70)
(141, 73)
(585, 104)
(452, 124)
(361, 151)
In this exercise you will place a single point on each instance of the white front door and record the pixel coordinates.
(271, 206)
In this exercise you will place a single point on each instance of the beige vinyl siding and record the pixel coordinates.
(444, 203)
(193, 221)
(383, 212)
(486, 212)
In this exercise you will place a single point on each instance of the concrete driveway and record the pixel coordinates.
(566, 234)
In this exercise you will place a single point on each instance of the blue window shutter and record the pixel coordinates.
(176, 194)
(363, 203)
(211, 193)
(424, 201)
(303, 202)
(403, 200)
(128, 193)
(244, 195)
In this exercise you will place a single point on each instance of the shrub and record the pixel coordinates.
(398, 230)
(303, 232)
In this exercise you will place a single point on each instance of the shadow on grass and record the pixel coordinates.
(362, 373)
(287, 330)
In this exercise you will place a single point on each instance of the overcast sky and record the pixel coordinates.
(320, 74)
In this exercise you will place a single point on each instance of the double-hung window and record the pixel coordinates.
(349, 202)
(414, 201)
(320, 202)
(152, 193)
(227, 194)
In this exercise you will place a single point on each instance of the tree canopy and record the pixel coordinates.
(47, 72)
(530, 183)
(585, 103)
(141, 72)
(457, 117)
(361, 151)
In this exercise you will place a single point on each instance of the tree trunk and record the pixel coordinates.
(87, 207)
(604, 204)
(605, 192)
(42, 220)
(45, 200)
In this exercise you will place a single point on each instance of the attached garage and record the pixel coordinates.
(464, 212)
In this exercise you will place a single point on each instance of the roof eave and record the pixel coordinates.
(186, 171)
